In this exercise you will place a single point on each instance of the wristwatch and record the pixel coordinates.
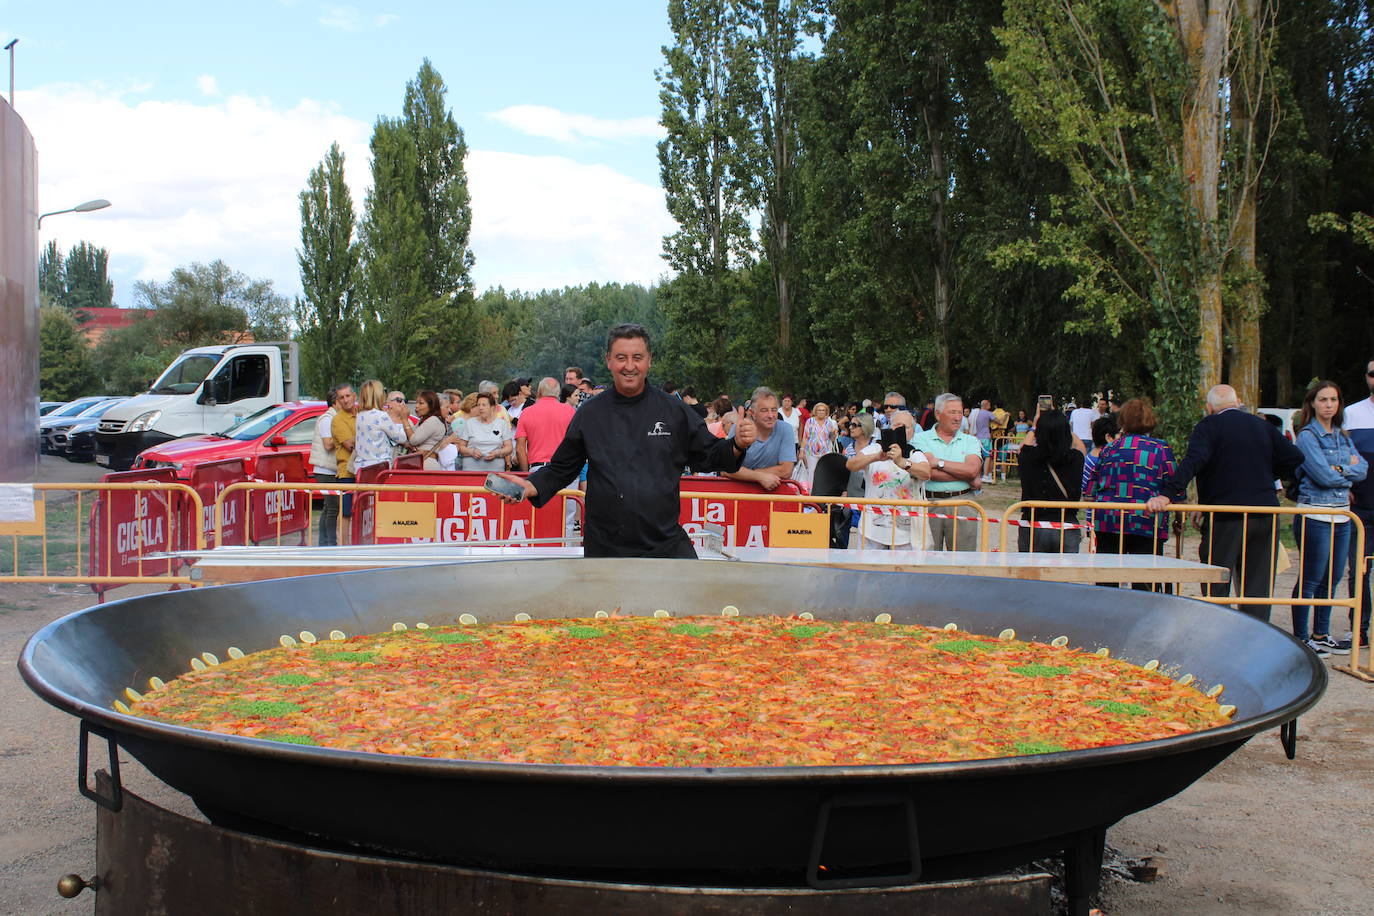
(940, 464)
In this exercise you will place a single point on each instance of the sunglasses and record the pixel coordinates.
(398, 400)
(1370, 374)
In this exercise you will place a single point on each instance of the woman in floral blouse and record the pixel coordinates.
(1129, 470)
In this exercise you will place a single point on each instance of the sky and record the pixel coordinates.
(200, 122)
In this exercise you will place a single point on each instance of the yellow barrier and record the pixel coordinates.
(116, 547)
(1251, 562)
(1006, 455)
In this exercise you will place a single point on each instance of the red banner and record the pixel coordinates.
(209, 480)
(273, 513)
(127, 525)
(745, 521)
(456, 516)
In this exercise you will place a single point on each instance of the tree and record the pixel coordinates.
(768, 67)
(64, 364)
(204, 304)
(415, 254)
(88, 285)
(52, 273)
(328, 316)
(705, 184)
(1141, 102)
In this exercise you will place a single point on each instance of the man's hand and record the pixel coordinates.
(767, 479)
(1158, 503)
(745, 434)
(530, 491)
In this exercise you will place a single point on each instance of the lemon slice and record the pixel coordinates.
(287, 641)
(235, 652)
(883, 618)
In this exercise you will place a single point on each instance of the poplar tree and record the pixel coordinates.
(88, 283)
(52, 273)
(328, 316)
(416, 260)
(706, 185)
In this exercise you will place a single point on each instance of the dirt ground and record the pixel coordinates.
(1258, 835)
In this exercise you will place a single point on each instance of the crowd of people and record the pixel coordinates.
(943, 452)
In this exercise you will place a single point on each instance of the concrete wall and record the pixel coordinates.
(18, 298)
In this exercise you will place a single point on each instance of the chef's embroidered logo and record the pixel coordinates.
(659, 430)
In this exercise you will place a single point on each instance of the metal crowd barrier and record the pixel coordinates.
(1255, 562)
(919, 511)
(426, 492)
(126, 531)
(1006, 456)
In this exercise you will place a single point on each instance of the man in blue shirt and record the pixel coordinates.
(770, 459)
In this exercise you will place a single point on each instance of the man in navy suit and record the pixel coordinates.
(1236, 458)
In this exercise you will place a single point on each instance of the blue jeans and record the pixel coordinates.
(1323, 552)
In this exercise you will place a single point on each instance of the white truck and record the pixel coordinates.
(204, 390)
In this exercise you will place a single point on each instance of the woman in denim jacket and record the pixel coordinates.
(1332, 464)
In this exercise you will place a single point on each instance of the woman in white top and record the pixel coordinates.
(790, 415)
(431, 431)
(888, 474)
(486, 438)
(382, 425)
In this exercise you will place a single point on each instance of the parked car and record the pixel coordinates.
(1282, 417)
(47, 407)
(59, 420)
(77, 441)
(286, 427)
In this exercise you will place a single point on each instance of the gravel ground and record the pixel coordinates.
(1258, 835)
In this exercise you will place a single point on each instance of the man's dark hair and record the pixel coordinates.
(689, 391)
(1102, 428)
(575, 371)
(669, 387)
(627, 332)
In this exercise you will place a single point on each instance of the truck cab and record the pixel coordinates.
(204, 390)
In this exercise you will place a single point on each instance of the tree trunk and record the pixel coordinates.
(939, 226)
(1204, 30)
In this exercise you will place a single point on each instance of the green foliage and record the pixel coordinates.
(77, 281)
(64, 362)
(415, 255)
(1100, 87)
(329, 317)
(705, 181)
(88, 285)
(52, 273)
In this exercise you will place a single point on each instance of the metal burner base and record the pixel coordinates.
(152, 861)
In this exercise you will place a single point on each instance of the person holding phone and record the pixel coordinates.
(892, 470)
(634, 440)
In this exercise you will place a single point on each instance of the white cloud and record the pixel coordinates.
(546, 222)
(542, 121)
(196, 181)
(351, 19)
(207, 84)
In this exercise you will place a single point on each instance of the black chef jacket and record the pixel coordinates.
(636, 448)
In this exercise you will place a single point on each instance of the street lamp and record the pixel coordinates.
(87, 207)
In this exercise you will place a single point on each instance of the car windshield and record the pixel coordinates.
(185, 375)
(72, 409)
(254, 425)
(98, 408)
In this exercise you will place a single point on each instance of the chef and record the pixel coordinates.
(635, 440)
